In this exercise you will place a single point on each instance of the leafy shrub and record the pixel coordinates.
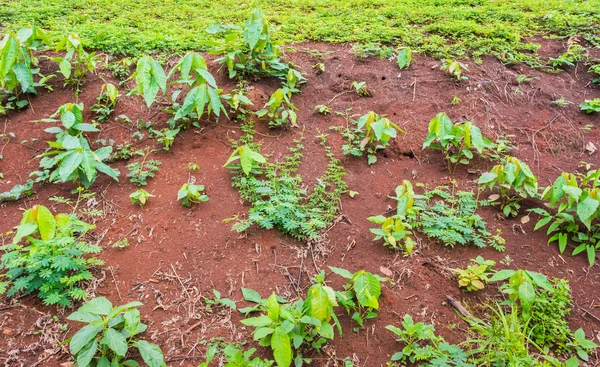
(70, 157)
(395, 231)
(165, 136)
(249, 51)
(140, 197)
(18, 66)
(590, 106)
(191, 194)
(360, 295)
(457, 142)
(51, 260)
(372, 133)
(109, 336)
(291, 328)
(149, 78)
(76, 62)
(513, 175)
(106, 102)
(476, 275)
(578, 199)
(140, 172)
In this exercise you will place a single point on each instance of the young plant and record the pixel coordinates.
(562, 102)
(590, 106)
(395, 231)
(76, 62)
(249, 51)
(204, 95)
(121, 69)
(322, 109)
(70, 157)
(165, 136)
(575, 53)
(596, 70)
(191, 194)
(106, 102)
(219, 301)
(19, 65)
(404, 57)
(476, 275)
(578, 212)
(361, 89)
(110, 334)
(360, 295)
(47, 256)
(140, 197)
(291, 329)
(512, 176)
(279, 110)
(457, 142)
(149, 78)
(364, 50)
(371, 134)
(235, 357)
(249, 160)
(522, 285)
(237, 99)
(139, 173)
(455, 69)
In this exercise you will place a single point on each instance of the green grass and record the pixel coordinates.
(440, 28)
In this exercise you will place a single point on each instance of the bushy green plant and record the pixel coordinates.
(457, 142)
(166, 137)
(140, 197)
(360, 296)
(76, 62)
(249, 51)
(289, 329)
(279, 110)
(47, 256)
(395, 231)
(109, 335)
(19, 65)
(476, 275)
(106, 102)
(590, 105)
(511, 176)
(371, 133)
(140, 172)
(578, 212)
(70, 157)
(191, 194)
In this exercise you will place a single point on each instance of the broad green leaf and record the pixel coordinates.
(65, 68)
(46, 223)
(262, 320)
(251, 295)
(368, 289)
(502, 275)
(86, 353)
(282, 348)
(69, 164)
(404, 57)
(9, 56)
(84, 336)
(319, 303)
(115, 341)
(526, 295)
(98, 306)
(586, 211)
(151, 353)
(341, 272)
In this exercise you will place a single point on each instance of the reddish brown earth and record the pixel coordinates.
(173, 247)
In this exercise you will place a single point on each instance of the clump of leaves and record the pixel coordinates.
(395, 231)
(370, 133)
(476, 275)
(457, 142)
(322, 109)
(249, 51)
(19, 65)
(578, 212)
(451, 217)
(455, 69)
(291, 329)
(76, 62)
(575, 53)
(106, 102)
(149, 77)
(590, 105)
(361, 89)
(70, 157)
(237, 99)
(166, 137)
(364, 50)
(110, 334)
(511, 176)
(218, 300)
(360, 296)
(235, 357)
(596, 70)
(140, 172)
(47, 256)
(140, 197)
(279, 110)
(121, 69)
(191, 194)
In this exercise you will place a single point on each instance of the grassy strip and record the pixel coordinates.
(440, 28)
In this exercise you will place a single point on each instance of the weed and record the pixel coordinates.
(218, 300)
(395, 231)
(279, 109)
(575, 53)
(455, 101)
(562, 102)
(590, 106)
(237, 98)
(405, 57)
(139, 173)
(140, 197)
(361, 89)
(235, 356)
(250, 160)
(109, 335)
(51, 262)
(191, 194)
(513, 175)
(522, 78)
(322, 109)
(121, 244)
(165, 136)
(596, 70)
